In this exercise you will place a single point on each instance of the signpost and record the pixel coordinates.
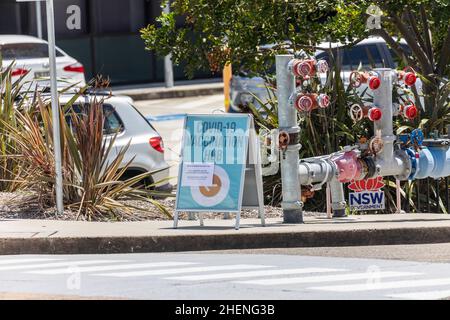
(54, 99)
(168, 66)
(220, 169)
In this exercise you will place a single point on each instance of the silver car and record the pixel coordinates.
(146, 150)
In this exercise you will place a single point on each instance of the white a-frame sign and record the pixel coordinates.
(220, 169)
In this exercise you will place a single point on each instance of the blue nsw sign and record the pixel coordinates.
(366, 200)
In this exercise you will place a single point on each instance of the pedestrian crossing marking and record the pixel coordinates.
(425, 295)
(386, 285)
(183, 270)
(113, 267)
(58, 264)
(327, 278)
(15, 261)
(233, 275)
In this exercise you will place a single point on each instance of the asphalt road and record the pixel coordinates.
(224, 275)
(167, 117)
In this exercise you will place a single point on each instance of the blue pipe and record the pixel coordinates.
(433, 162)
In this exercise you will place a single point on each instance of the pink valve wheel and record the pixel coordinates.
(304, 103)
(323, 100)
(355, 79)
(348, 166)
(303, 68)
(322, 66)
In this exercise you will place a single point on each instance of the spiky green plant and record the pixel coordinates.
(92, 185)
(9, 93)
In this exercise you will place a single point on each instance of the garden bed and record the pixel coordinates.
(12, 207)
(16, 206)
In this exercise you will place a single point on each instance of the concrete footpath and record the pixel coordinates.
(192, 88)
(72, 237)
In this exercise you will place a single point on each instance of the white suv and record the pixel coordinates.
(31, 60)
(146, 149)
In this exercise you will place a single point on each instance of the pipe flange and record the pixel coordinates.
(371, 167)
(407, 160)
(338, 205)
(414, 163)
(309, 173)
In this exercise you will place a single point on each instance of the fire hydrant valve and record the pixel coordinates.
(307, 67)
(410, 111)
(323, 100)
(374, 82)
(306, 102)
(374, 114)
(372, 78)
(409, 78)
(303, 103)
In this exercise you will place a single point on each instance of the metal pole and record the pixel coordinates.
(168, 66)
(382, 98)
(287, 119)
(39, 19)
(55, 105)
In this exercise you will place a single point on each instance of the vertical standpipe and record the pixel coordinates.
(382, 98)
(287, 121)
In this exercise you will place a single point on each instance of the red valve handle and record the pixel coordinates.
(357, 78)
(410, 111)
(374, 114)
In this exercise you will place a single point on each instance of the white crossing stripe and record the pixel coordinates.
(58, 264)
(183, 270)
(425, 295)
(114, 267)
(328, 278)
(387, 285)
(249, 274)
(15, 261)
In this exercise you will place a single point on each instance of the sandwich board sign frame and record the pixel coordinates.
(220, 169)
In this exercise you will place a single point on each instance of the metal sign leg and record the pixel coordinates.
(175, 220)
(238, 220)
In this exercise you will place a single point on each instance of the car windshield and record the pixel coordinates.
(112, 123)
(367, 55)
(21, 51)
(397, 59)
